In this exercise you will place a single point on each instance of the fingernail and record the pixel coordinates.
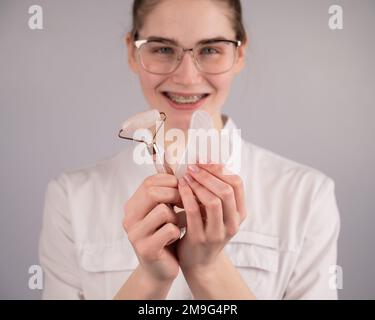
(188, 178)
(193, 168)
(182, 182)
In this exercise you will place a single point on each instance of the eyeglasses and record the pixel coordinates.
(211, 57)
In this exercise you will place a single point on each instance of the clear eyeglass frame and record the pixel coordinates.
(140, 43)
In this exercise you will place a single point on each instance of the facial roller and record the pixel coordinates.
(148, 122)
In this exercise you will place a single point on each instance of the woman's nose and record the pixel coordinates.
(187, 72)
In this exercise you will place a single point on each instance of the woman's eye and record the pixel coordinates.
(164, 50)
(209, 51)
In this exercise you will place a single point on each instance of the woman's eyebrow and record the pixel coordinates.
(175, 42)
(207, 41)
(162, 39)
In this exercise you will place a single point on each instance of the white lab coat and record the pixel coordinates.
(283, 250)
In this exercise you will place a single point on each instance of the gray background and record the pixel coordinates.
(307, 94)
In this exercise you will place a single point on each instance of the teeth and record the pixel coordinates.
(184, 99)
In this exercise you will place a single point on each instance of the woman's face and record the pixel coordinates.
(186, 22)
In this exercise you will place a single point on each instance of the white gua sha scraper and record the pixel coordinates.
(199, 120)
(141, 123)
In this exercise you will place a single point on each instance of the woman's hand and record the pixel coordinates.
(151, 226)
(213, 221)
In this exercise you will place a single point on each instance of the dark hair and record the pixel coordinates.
(143, 7)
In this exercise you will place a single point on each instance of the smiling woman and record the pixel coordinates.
(268, 231)
(178, 83)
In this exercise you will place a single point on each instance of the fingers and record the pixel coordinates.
(157, 217)
(142, 203)
(194, 221)
(149, 248)
(167, 234)
(233, 180)
(160, 188)
(222, 195)
(214, 223)
(161, 180)
(222, 190)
